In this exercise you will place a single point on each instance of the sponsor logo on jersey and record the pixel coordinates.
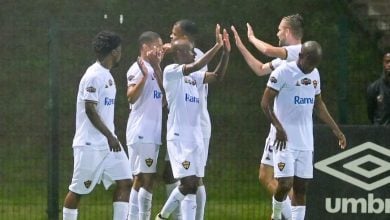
(305, 81)
(149, 162)
(281, 166)
(91, 89)
(87, 183)
(186, 164)
(190, 98)
(131, 77)
(156, 94)
(190, 81)
(272, 79)
(108, 101)
(315, 83)
(110, 82)
(302, 101)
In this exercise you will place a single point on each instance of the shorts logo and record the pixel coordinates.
(366, 166)
(87, 183)
(91, 89)
(149, 162)
(281, 166)
(186, 164)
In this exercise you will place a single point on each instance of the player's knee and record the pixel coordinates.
(284, 185)
(189, 185)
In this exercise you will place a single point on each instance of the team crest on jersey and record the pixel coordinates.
(281, 166)
(91, 89)
(272, 79)
(87, 183)
(190, 81)
(186, 164)
(149, 162)
(315, 83)
(306, 81)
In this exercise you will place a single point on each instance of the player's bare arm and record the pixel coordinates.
(208, 56)
(258, 67)
(266, 48)
(267, 103)
(134, 90)
(94, 117)
(221, 68)
(323, 113)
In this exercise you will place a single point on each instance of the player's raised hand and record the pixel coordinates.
(236, 36)
(142, 66)
(226, 42)
(218, 35)
(250, 31)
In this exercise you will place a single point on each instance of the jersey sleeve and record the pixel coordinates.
(199, 54)
(317, 84)
(275, 63)
(134, 75)
(276, 79)
(293, 52)
(91, 88)
(198, 76)
(173, 72)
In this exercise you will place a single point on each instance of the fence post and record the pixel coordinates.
(52, 194)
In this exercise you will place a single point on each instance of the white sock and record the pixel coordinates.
(133, 204)
(175, 215)
(172, 203)
(121, 209)
(69, 214)
(144, 204)
(200, 202)
(188, 207)
(276, 209)
(298, 212)
(286, 208)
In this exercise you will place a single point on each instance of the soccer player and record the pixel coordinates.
(144, 92)
(293, 90)
(290, 33)
(184, 133)
(378, 96)
(188, 29)
(98, 154)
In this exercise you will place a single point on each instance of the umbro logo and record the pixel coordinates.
(366, 166)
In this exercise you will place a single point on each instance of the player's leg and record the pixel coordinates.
(201, 195)
(266, 169)
(304, 173)
(170, 184)
(117, 168)
(284, 168)
(86, 171)
(71, 204)
(189, 187)
(146, 167)
(133, 200)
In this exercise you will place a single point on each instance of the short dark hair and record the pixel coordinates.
(296, 24)
(104, 42)
(147, 37)
(188, 27)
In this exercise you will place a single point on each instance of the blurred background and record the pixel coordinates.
(46, 47)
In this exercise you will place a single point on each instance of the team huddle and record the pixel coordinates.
(180, 90)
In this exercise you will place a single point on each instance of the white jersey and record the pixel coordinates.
(144, 123)
(294, 104)
(183, 104)
(205, 121)
(292, 55)
(97, 85)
